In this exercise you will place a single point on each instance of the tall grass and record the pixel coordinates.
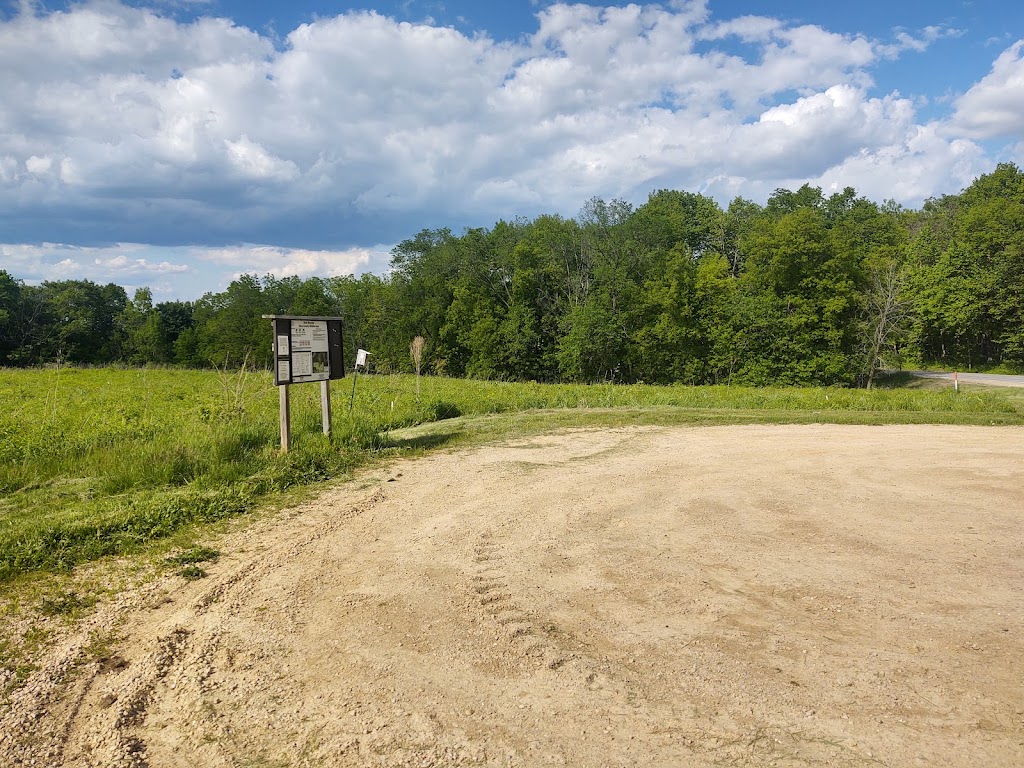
(97, 462)
(100, 462)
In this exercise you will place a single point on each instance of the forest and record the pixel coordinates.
(808, 289)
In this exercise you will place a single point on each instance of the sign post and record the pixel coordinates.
(306, 349)
(286, 418)
(325, 406)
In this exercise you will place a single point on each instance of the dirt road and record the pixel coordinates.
(750, 595)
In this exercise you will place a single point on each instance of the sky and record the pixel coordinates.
(178, 144)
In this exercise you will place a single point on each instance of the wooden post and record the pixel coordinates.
(286, 418)
(352, 400)
(325, 405)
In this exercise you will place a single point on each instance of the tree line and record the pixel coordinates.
(806, 289)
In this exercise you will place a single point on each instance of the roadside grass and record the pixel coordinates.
(100, 462)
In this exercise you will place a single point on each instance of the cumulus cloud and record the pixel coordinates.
(749, 29)
(120, 124)
(285, 262)
(124, 262)
(805, 137)
(907, 41)
(183, 270)
(994, 107)
(920, 165)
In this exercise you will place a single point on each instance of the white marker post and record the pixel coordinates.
(956, 382)
(361, 355)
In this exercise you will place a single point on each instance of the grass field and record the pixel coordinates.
(103, 462)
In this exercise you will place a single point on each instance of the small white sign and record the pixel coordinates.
(361, 355)
(284, 370)
(282, 346)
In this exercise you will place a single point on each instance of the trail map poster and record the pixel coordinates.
(310, 351)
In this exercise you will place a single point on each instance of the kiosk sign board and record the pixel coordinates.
(307, 349)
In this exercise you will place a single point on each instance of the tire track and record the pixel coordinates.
(103, 728)
(114, 742)
(238, 584)
(529, 636)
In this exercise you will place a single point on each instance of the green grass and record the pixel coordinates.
(194, 555)
(66, 603)
(105, 462)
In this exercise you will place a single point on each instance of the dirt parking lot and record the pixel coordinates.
(747, 595)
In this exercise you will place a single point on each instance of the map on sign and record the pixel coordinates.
(309, 351)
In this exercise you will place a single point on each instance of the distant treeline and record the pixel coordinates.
(805, 289)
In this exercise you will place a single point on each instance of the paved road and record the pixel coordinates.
(992, 379)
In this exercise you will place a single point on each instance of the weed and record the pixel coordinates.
(438, 410)
(100, 647)
(18, 655)
(259, 761)
(192, 572)
(66, 604)
(194, 555)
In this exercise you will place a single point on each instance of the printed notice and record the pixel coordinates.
(282, 346)
(302, 365)
(284, 370)
(309, 336)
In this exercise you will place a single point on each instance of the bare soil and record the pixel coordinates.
(749, 595)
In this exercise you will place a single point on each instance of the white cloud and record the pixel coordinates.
(923, 164)
(254, 162)
(38, 165)
(60, 261)
(905, 41)
(286, 262)
(123, 265)
(815, 132)
(994, 107)
(183, 271)
(119, 124)
(749, 29)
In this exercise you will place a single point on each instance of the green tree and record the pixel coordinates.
(144, 339)
(593, 342)
(176, 320)
(966, 276)
(230, 328)
(10, 299)
(812, 281)
(81, 316)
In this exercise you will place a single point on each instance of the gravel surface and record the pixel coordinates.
(748, 595)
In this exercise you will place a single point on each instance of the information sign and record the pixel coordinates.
(307, 349)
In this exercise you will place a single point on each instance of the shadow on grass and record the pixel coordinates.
(419, 442)
(904, 380)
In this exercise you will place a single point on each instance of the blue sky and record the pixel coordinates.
(179, 143)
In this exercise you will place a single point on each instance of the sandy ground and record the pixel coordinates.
(750, 595)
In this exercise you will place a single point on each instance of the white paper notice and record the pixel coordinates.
(284, 370)
(309, 335)
(282, 346)
(302, 364)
